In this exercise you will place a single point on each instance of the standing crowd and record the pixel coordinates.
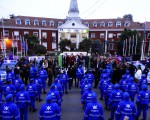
(125, 94)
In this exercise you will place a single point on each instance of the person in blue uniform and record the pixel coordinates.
(1, 87)
(32, 71)
(64, 80)
(10, 75)
(115, 97)
(107, 91)
(94, 110)
(17, 82)
(126, 109)
(79, 74)
(38, 83)
(55, 95)
(49, 110)
(43, 75)
(31, 88)
(87, 96)
(132, 88)
(23, 101)
(142, 101)
(142, 81)
(9, 110)
(102, 84)
(84, 86)
(123, 83)
(90, 77)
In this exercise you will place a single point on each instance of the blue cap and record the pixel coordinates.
(126, 95)
(49, 98)
(144, 87)
(89, 87)
(9, 97)
(117, 86)
(52, 86)
(131, 79)
(17, 75)
(94, 97)
(56, 80)
(22, 87)
(127, 71)
(143, 76)
(31, 79)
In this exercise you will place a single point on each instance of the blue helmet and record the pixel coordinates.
(56, 80)
(17, 76)
(52, 87)
(123, 76)
(9, 97)
(126, 95)
(144, 87)
(94, 97)
(143, 76)
(117, 86)
(49, 98)
(31, 79)
(131, 79)
(127, 71)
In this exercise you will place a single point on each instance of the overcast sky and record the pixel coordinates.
(88, 8)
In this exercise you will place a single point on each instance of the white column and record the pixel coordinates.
(59, 36)
(68, 35)
(106, 39)
(78, 39)
(40, 35)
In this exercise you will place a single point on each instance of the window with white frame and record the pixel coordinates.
(54, 37)
(27, 22)
(87, 24)
(92, 35)
(16, 33)
(44, 23)
(44, 44)
(111, 46)
(35, 33)
(110, 24)
(26, 32)
(102, 24)
(102, 35)
(36, 22)
(6, 32)
(60, 23)
(95, 24)
(18, 21)
(44, 35)
(127, 24)
(118, 24)
(51, 23)
(118, 35)
(110, 35)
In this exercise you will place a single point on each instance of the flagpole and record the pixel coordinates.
(21, 45)
(129, 46)
(3, 41)
(26, 47)
(132, 44)
(135, 44)
(13, 44)
(126, 48)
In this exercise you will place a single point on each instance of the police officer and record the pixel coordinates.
(17, 83)
(43, 75)
(94, 110)
(115, 98)
(9, 110)
(32, 71)
(142, 102)
(64, 80)
(126, 109)
(90, 77)
(123, 83)
(10, 75)
(142, 81)
(87, 96)
(84, 86)
(50, 110)
(31, 88)
(23, 101)
(55, 95)
(1, 87)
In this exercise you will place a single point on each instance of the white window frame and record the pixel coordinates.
(102, 35)
(102, 24)
(92, 35)
(36, 34)
(44, 44)
(87, 24)
(44, 35)
(16, 33)
(127, 24)
(60, 23)
(51, 23)
(27, 22)
(110, 35)
(53, 37)
(44, 23)
(18, 21)
(110, 24)
(95, 24)
(118, 24)
(6, 32)
(111, 46)
(118, 35)
(26, 32)
(36, 22)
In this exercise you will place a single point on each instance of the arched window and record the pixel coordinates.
(110, 24)
(87, 24)
(18, 21)
(95, 24)
(51, 23)
(118, 24)
(27, 22)
(36, 22)
(60, 23)
(102, 24)
(127, 23)
(44, 23)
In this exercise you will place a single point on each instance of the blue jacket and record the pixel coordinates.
(1, 86)
(79, 72)
(32, 72)
(126, 108)
(43, 74)
(108, 89)
(49, 111)
(132, 89)
(10, 75)
(9, 89)
(90, 77)
(22, 99)
(102, 83)
(31, 88)
(64, 78)
(9, 111)
(59, 88)
(94, 111)
(17, 83)
(38, 83)
(123, 84)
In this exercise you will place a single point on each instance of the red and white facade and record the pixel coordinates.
(51, 30)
